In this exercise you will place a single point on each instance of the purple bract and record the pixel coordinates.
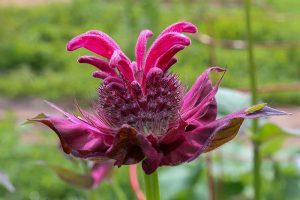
(143, 114)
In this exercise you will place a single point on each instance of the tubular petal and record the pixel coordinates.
(99, 63)
(162, 45)
(104, 36)
(101, 75)
(120, 61)
(180, 27)
(140, 48)
(164, 61)
(100, 44)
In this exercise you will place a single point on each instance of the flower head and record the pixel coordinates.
(142, 114)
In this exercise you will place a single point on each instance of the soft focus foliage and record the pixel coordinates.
(38, 51)
(34, 63)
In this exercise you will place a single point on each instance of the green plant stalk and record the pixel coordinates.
(253, 87)
(118, 190)
(152, 186)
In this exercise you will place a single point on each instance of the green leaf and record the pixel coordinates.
(271, 138)
(269, 131)
(71, 177)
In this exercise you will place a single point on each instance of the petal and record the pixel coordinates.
(171, 62)
(164, 61)
(75, 137)
(162, 45)
(120, 61)
(180, 27)
(95, 41)
(153, 157)
(199, 103)
(140, 48)
(101, 75)
(100, 171)
(206, 138)
(99, 63)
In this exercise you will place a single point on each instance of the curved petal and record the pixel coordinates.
(180, 27)
(162, 45)
(95, 41)
(206, 138)
(140, 48)
(164, 61)
(77, 136)
(120, 61)
(98, 63)
(100, 74)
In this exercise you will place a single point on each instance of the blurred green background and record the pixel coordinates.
(34, 65)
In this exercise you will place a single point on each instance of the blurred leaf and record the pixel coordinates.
(4, 181)
(270, 147)
(231, 100)
(272, 137)
(71, 177)
(229, 188)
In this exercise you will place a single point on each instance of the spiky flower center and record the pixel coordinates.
(149, 110)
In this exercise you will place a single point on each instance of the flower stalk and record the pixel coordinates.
(152, 186)
(254, 99)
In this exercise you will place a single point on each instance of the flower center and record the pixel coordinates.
(150, 110)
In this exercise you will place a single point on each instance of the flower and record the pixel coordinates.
(142, 114)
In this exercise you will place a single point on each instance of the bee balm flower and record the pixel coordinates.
(143, 114)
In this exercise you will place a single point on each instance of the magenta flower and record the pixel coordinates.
(143, 114)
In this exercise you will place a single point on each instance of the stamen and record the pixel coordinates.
(150, 110)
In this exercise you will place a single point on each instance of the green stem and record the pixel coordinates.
(152, 186)
(118, 190)
(253, 85)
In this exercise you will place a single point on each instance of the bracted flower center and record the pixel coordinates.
(149, 110)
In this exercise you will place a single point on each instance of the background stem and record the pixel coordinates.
(152, 186)
(253, 86)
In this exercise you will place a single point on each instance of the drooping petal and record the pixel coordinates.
(140, 48)
(153, 157)
(162, 45)
(125, 148)
(99, 63)
(206, 138)
(180, 27)
(120, 61)
(100, 171)
(199, 103)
